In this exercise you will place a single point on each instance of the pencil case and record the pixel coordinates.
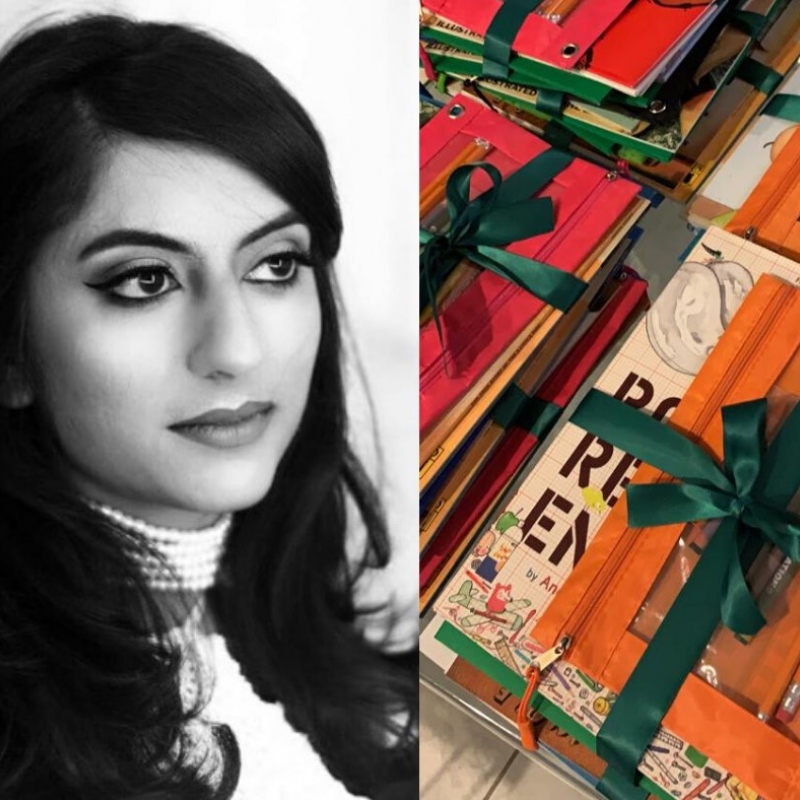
(480, 321)
(617, 598)
(601, 51)
(530, 355)
(560, 43)
(769, 215)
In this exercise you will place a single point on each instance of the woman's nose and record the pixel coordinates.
(226, 342)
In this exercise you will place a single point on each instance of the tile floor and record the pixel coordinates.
(460, 760)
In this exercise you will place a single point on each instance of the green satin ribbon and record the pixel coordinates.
(550, 102)
(750, 22)
(503, 214)
(748, 493)
(784, 106)
(530, 413)
(500, 35)
(759, 75)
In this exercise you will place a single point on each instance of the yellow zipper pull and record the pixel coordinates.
(540, 663)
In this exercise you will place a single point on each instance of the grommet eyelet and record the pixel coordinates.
(657, 107)
(455, 111)
(569, 50)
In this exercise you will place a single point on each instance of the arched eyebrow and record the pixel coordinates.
(122, 237)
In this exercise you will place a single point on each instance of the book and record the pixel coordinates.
(743, 167)
(649, 591)
(520, 421)
(544, 524)
(490, 607)
(577, 705)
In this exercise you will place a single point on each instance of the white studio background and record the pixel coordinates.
(352, 65)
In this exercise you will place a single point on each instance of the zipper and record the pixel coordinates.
(540, 663)
(549, 657)
(787, 180)
(501, 298)
(592, 599)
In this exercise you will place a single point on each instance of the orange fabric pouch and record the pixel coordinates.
(616, 597)
(769, 215)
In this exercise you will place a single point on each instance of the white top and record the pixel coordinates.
(277, 761)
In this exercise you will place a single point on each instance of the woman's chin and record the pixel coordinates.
(221, 499)
(187, 505)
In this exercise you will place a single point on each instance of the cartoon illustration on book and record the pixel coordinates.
(780, 141)
(731, 183)
(482, 548)
(498, 607)
(508, 536)
(694, 310)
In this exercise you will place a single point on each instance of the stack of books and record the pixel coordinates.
(518, 565)
(497, 363)
(663, 87)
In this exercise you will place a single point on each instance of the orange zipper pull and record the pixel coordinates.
(534, 672)
(527, 734)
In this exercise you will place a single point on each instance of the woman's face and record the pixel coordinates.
(174, 327)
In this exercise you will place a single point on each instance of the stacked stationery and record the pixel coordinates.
(546, 526)
(487, 310)
(671, 607)
(743, 167)
(495, 321)
(663, 87)
(456, 506)
(769, 215)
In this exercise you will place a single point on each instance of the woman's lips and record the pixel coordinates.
(227, 428)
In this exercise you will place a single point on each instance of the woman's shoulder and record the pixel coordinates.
(274, 756)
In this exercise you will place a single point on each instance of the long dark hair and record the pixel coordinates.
(89, 699)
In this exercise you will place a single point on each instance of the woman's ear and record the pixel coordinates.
(15, 389)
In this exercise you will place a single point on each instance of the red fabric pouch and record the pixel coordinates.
(480, 322)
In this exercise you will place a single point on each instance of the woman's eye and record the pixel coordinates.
(146, 283)
(277, 268)
(139, 283)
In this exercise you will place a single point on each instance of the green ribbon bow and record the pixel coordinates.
(749, 493)
(502, 214)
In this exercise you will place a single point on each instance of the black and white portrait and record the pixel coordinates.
(207, 400)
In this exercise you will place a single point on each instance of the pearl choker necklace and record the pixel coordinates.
(189, 558)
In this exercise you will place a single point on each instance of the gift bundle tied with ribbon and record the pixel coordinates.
(748, 493)
(479, 229)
